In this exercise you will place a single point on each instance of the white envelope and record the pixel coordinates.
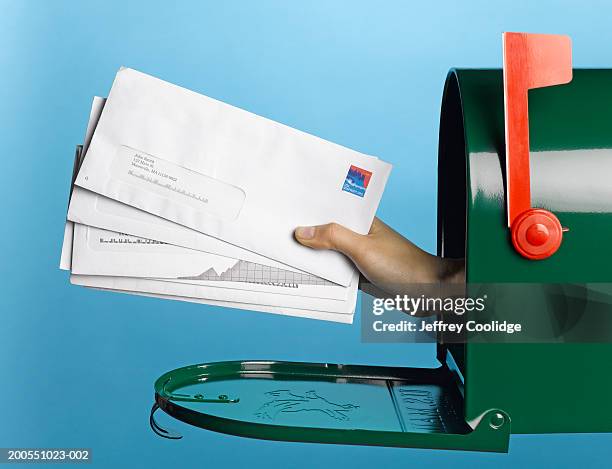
(103, 283)
(300, 313)
(229, 173)
(102, 252)
(220, 293)
(91, 209)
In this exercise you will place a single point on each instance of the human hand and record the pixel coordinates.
(383, 256)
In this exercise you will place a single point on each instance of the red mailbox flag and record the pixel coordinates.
(530, 61)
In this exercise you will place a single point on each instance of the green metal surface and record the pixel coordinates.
(545, 388)
(324, 403)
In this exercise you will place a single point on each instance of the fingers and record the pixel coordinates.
(330, 236)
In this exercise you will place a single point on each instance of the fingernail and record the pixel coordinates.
(305, 232)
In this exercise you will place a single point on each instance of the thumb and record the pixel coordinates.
(330, 236)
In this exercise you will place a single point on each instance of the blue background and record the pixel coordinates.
(77, 366)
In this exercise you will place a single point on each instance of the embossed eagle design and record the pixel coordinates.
(284, 400)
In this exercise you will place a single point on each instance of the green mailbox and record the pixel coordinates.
(481, 392)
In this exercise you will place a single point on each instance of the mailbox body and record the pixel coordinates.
(544, 387)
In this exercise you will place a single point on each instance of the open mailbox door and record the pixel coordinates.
(323, 403)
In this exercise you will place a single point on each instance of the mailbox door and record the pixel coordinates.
(326, 403)
(544, 387)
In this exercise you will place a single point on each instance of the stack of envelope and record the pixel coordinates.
(180, 196)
